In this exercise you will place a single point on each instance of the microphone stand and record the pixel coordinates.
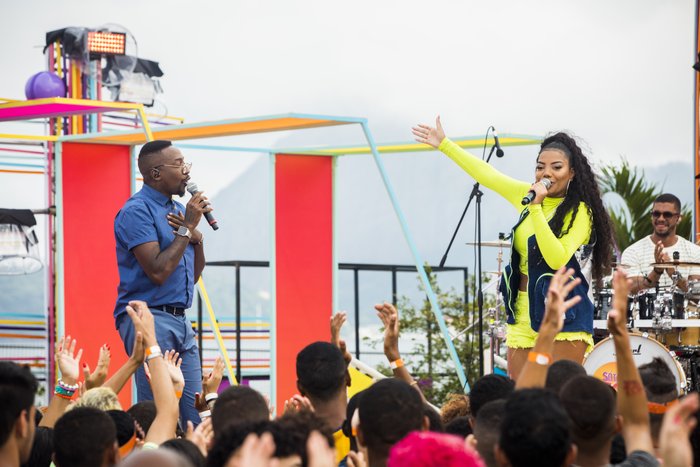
(475, 194)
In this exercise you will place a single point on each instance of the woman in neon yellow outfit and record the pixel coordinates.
(565, 225)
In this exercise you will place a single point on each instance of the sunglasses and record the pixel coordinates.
(664, 214)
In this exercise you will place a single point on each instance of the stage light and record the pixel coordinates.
(106, 43)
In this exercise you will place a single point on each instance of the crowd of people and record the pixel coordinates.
(547, 412)
(553, 415)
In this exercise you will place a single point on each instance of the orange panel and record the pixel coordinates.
(304, 260)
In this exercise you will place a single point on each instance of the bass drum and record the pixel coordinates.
(601, 362)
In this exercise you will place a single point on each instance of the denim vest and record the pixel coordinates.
(578, 318)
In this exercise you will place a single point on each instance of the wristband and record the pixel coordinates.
(204, 414)
(154, 349)
(660, 408)
(178, 394)
(210, 397)
(398, 363)
(62, 396)
(68, 387)
(153, 355)
(64, 392)
(543, 359)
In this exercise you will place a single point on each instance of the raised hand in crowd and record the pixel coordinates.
(389, 316)
(297, 404)
(674, 439)
(210, 384)
(167, 411)
(201, 436)
(319, 452)
(98, 377)
(428, 135)
(68, 364)
(120, 377)
(337, 322)
(534, 373)
(256, 451)
(173, 362)
(631, 397)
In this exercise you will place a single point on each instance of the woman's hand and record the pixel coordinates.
(540, 192)
(429, 135)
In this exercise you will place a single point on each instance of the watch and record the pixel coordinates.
(184, 232)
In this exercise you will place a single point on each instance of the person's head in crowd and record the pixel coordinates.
(457, 405)
(535, 431)
(487, 430)
(661, 389)
(321, 373)
(591, 406)
(144, 412)
(560, 372)
(388, 411)
(434, 420)
(127, 437)
(460, 426)
(239, 404)
(156, 458)
(102, 398)
(489, 388)
(665, 215)
(85, 437)
(17, 390)
(228, 440)
(428, 449)
(291, 432)
(42, 448)
(187, 449)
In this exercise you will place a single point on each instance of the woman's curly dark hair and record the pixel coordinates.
(583, 187)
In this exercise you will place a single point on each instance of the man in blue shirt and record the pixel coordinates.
(160, 255)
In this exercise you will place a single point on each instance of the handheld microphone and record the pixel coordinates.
(192, 188)
(531, 194)
(499, 151)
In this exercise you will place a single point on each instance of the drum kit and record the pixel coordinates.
(663, 322)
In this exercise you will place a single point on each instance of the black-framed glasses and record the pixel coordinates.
(664, 214)
(185, 166)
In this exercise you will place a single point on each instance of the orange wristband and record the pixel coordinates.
(543, 359)
(398, 363)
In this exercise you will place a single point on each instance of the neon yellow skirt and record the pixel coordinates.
(521, 335)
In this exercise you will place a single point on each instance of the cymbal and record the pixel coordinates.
(494, 243)
(673, 264)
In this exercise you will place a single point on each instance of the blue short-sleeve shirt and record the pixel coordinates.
(142, 220)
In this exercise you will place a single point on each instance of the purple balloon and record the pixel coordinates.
(44, 84)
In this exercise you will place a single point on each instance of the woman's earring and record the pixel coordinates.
(567, 187)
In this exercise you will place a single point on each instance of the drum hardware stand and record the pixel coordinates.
(496, 329)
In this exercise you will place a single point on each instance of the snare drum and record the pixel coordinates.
(601, 362)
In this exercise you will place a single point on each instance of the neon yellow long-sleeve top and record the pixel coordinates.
(556, 251)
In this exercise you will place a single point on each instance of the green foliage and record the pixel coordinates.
(632, 222)
(424, 348)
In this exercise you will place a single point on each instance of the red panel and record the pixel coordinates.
(96, 184)
(304, 260)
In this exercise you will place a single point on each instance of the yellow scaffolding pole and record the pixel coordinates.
(217, 332)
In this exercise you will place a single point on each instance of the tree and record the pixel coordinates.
(422, 340)
(631, 220)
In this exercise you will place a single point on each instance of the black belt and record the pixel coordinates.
(173, 310)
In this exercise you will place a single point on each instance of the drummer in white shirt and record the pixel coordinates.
(659, 248)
